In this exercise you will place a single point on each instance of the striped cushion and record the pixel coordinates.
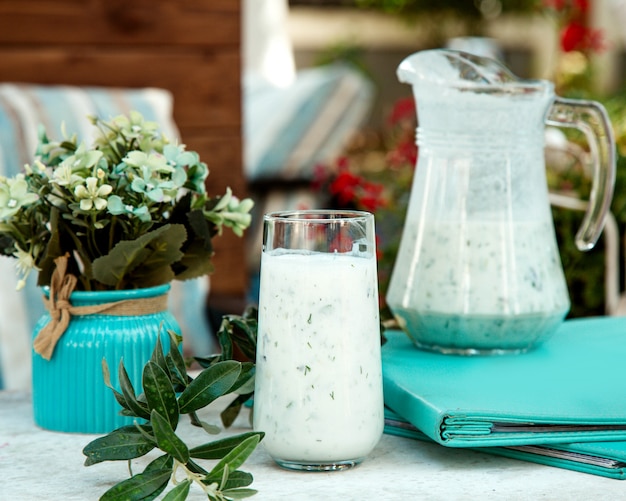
(22, 108)
(288, 131)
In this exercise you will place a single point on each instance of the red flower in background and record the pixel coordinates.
(573, 37)
(372, 197)
(404, 153)
(582, 5)
(576, 36)
(402, 119)
(403, 110)
(576, 33)
(349, 190)
(344, 187)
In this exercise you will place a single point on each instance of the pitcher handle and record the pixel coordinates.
(591, 118)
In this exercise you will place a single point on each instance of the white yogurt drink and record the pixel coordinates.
(480, 286)
(318, 395)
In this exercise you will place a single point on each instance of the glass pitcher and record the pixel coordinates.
(478, 270)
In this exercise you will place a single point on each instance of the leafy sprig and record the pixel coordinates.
(169, 392)
(237, 337)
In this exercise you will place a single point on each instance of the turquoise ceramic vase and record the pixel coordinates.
(69, 392)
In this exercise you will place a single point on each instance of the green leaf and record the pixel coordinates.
(69, 228)
(53, 250)
(165, 253)
(161, 463)
(180, 492)
(176, 362)
(128, 391)
(199, 249)
(220, 448)
(211, 429)
(207, 361)
(160, 393)
(236, 332)
(238, 493)
(122, 444)
(232, 410)
(196, 262)
(238, 479)
(127, 413)
(139, 487)
(179, 381)
(235, 458)
(203, 230)
(107, 381)
(210, 384)
(239, 331)
(167, 440)
(153, 252)
(245, 381)
(225, 338)
(181, 209)
(147, 432)
(225, 473)
(196, 468)
(175, 353)
(244, 336)
(158, 357)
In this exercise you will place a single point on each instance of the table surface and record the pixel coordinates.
(39, 464)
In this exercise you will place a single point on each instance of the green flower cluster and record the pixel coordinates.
(131, 211)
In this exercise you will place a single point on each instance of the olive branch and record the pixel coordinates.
(168, 393)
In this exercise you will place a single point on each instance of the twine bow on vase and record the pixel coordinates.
(61, 310)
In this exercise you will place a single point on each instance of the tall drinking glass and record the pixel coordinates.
(318, 394)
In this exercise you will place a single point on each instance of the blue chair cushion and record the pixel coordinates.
(290, 130)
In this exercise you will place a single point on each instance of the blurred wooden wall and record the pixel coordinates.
(190, 47)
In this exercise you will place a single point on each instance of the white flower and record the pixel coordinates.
(150, 164)
(64, 175)
(14, 195)
(231, 212)
(25, 264)
(91, 195)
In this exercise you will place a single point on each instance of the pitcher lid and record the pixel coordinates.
(456, 69)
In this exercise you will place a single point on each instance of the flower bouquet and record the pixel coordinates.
(107, 228)
(130, 212)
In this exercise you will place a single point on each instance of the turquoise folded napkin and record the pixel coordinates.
(606, 459)
(568, 389)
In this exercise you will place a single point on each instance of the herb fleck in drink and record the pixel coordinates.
(318, 394)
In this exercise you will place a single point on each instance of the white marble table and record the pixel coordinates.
(43, 465)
